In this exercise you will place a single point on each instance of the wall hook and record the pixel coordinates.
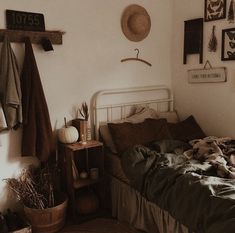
(138, 51)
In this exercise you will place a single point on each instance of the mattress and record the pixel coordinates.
(113, 166)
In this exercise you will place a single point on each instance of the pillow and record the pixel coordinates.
(106, 137)
(126, 135)
(140, 114)
(171, 117)
(186, 130)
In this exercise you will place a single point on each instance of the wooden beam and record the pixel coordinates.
(19, 36)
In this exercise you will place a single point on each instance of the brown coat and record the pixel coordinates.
(37, 138)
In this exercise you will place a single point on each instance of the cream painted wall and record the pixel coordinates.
(211, 104)
(88, 60)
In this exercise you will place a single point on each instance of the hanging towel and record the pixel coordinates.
(3, 123)
(37, 138)
(10, 90)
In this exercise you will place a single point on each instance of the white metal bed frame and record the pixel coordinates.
(119, 210)
(108, 108)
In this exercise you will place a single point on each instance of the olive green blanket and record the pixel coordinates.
(187, 188)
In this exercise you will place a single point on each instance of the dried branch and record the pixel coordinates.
(34, 187)
(84, 112)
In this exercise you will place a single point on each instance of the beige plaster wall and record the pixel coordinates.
(88, 60)
(211, 103)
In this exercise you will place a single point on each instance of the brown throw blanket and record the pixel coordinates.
(219, 152)
(37, 136)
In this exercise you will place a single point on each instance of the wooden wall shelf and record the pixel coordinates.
(35, 36)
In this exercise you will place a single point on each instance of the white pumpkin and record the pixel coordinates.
(68, 134)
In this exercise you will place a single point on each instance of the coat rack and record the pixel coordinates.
(136, 58)
(35, 36)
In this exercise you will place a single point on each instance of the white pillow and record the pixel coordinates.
(170, 116)
(140, 116)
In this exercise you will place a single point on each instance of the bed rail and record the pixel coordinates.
(98, 102)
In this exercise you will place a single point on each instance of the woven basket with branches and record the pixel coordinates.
(34, 187)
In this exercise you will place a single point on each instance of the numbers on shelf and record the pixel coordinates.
(25, 20)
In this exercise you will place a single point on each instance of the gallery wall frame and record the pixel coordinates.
(214, 10)
(193, 38)
(228, 44)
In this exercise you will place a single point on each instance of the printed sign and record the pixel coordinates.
(21, 20)
(211, 75)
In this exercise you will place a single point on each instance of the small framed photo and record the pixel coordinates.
(228, 44)
(215, 10)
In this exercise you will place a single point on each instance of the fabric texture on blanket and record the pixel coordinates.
(219, 152)
(183, 187)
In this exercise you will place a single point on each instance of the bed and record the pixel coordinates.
(156, 193)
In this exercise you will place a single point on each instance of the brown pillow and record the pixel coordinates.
(126, 135)
(186, 130)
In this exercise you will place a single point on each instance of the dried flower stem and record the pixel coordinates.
(32, 191)
(84, 112)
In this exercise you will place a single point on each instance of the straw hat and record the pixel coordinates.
(135, 23)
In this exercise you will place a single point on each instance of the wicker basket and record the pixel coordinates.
(47, 220)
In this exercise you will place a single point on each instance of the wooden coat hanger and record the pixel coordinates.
(136, 58)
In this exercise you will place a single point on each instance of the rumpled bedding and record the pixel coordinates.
(183, 180)
(219, 152)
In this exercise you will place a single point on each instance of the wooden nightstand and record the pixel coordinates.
(84, 157)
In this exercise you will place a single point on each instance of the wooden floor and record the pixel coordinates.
(99, 225)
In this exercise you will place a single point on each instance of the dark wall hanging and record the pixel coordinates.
(212, 46)
(215, 9)
(22, 20)
(231, 12)
(228, 44)
(193, 38)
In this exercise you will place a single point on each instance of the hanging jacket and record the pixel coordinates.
(37, 137)
(3, 123)
(10, 90)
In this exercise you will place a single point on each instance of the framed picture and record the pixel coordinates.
(228, 44)
(214, 10)
(193, 38)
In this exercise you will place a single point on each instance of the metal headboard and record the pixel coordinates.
(97, 104)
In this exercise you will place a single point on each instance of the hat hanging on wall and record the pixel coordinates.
(135, 23)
